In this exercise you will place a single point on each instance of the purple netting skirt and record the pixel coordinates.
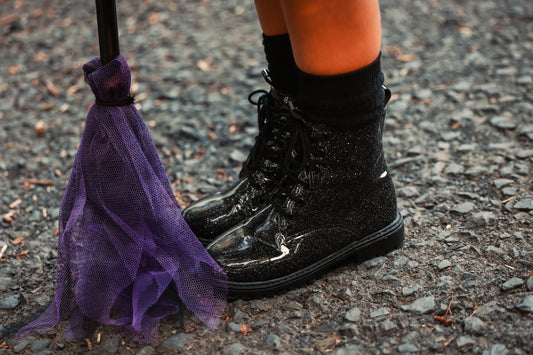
(125, 253)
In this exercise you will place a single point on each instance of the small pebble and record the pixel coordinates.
(444, 264)
(465, 342)
(496, 349)
(353, 315)
(526, 305)
(474, 325)
(512, 283)
(10, 302)
(272, 341)
(374, 262)
(407, 348)
(234, 349)
(524, 205)
(463, 208)
(421, 306)
(40, 345)
(380, 313)
(530, 283)
(408, 291)
(176, 342)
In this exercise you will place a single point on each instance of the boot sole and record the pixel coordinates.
(376, 244)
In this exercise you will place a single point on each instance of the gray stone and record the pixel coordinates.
(407, 348)
(317, 301)
(496, 349)
(509, 191)
(5, 282)
(400, 261)
(374, 262)
(239, 316)
(272, 341)
(293, 305)
(380, 313)
(489, 308)
(176, 342)
(421, 306)
(474, 325)
(454, 169)
(483, 218)
(491, 249)
(465, 342)
(523, 154)
(110, 345)
(445, 281)
(346, 294)
(388, 325)
(408, 191)
(10, 302)
(526, 305)
(444, 264)
(499, 183)
(303, 314)
(502, 122)
(524, 205)
(40, 345)
(463, 208)
(350, 350)
(147, 350)
(234, 349)
(237, 156)
(512, 283)
(353, 315)
(530, 283)
(258, 304)
(408, 291)
(22, 344)
(259, 323)
(349, 329)
(234, 327)
(475, 171)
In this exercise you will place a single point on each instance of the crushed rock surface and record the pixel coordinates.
(458, 138)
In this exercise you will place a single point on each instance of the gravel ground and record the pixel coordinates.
(459, 139)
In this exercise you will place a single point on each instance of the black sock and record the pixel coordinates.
(346, 100)
(281, 64)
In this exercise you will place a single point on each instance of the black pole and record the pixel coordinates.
(106, 17)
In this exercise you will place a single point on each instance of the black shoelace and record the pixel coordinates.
(296, 160)
(269, 117)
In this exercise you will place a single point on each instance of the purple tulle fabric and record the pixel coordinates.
(125, 253)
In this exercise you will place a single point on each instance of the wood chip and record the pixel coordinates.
(40, 128)
(17, 241)
(52, 89)
(3, 250)
(8, 216)
(29, 182)
(15, 203)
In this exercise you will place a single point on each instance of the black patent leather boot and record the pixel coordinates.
(336, 204)
(260, 175)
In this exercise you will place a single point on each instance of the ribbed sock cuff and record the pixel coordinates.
(345, 100)
(281, 64)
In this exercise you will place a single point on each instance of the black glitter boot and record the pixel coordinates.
(336, 203)
(260, 175)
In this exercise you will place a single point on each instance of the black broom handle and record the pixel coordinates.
(106, 17)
